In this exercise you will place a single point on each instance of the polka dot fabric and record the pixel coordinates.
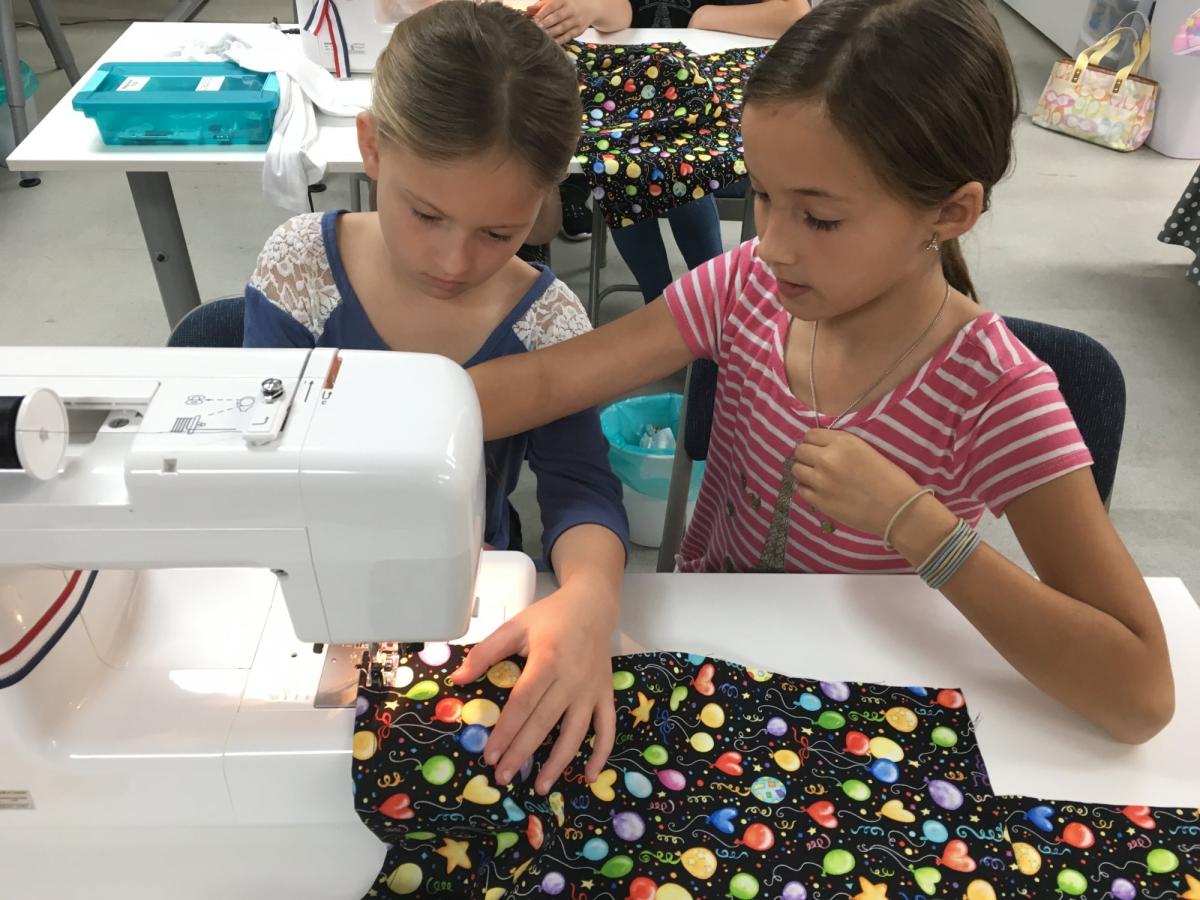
(661, 126)
(1183, 226)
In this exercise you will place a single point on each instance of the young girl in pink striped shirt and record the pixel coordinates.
(868, 410)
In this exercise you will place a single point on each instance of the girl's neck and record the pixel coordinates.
(889, 320)
(854, 349)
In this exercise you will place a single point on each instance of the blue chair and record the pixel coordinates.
(1090, 379)
(218, 323)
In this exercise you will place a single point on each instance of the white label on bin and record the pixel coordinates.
(211, 83)
(14, 800)
(134, 83)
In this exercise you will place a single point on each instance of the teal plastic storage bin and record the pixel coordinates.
(646, 473)
(29, 81)
(174, 103)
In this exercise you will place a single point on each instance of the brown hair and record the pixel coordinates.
(924, 88)
(460, 78)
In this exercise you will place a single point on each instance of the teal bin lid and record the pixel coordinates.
(28, 79)
(173, 85)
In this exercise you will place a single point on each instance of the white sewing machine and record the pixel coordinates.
(335, 30)
(240, 506)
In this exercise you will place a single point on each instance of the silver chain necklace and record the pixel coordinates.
(827, 526)
(812, 381)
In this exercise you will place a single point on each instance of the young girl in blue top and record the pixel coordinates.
(474, 119)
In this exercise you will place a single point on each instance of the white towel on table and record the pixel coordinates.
(293, 161)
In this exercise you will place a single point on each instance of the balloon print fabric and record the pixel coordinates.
(1102, 852)
(724, 782)
(661, 126)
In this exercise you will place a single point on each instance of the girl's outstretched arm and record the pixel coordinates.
(520, 392)
(1087, 633)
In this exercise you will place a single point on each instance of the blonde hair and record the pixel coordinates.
(459, 79)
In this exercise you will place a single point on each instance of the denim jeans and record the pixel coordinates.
(697, 231)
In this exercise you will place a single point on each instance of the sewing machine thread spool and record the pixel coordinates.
(33, 433)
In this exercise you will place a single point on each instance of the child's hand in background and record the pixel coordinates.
(563, 20)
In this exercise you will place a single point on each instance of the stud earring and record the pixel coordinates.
(934, 244)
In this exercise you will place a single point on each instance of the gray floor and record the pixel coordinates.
(1070, 240)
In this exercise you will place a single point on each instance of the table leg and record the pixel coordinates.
(55, 39)
(185, 10)
(595, 262)
(749, 227)
(159, 216)
(12, 78)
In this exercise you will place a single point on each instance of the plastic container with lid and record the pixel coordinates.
(188, 103)
(645, 472)
(29, 81)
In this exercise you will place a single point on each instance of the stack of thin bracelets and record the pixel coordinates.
(948, 557)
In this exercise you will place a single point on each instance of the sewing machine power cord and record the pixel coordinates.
(21, 673)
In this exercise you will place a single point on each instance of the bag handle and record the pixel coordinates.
(1138, 15)
(1093, 55)
(1144, 43)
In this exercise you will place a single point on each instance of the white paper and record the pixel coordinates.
(134, 83)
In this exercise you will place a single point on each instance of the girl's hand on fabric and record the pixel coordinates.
(849, 481)
(566, 681)
(563, 20)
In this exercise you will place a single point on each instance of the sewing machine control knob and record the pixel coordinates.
(266, 419)
(272, 389)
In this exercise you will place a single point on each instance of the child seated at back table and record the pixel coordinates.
(696, 226)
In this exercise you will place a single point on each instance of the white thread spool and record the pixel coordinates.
(33, 433)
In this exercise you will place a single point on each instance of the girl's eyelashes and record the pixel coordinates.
(429, 218)
(810, 220)
(821, 224)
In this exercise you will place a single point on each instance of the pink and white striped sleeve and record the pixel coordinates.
(702, 299)
(1024, 438)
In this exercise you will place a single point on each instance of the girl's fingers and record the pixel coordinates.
(604, 720)
(522, 704)
(807, 454)
(550, 13)
(820, 437)
(536, 726)
(500, 644)
(555, 22)
(570, 736)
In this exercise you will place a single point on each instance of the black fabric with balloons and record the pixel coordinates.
(1102, 852)
(734, 783)
(661, 126)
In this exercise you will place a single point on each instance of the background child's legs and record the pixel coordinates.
(696, 227)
